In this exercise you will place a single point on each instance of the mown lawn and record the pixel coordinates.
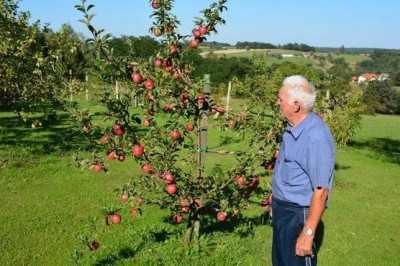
(46, 201)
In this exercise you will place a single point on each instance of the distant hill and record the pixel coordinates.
(351, 50)
(259, 45)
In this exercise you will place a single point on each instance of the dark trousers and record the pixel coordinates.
(287, 223)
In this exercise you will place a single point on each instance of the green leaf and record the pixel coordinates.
(89, 7)
(91, 16)
(83, 21)
(80, 8)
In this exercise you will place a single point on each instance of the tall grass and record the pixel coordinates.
(46, 202)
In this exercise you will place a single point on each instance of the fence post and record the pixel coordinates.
(203, 127)
(116, 90)
(86, 88)
(228, 97)
(71, 97)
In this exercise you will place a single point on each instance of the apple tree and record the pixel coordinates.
(33, 67)
(161, 119)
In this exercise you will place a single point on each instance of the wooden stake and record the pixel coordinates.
(203, 127)
(228, 97)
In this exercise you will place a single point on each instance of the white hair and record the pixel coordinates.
(299, 88)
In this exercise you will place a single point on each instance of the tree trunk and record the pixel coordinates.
(192, 229)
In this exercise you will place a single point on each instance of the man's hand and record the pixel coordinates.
(304, 245)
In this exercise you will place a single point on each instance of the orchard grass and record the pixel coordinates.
(46, 201)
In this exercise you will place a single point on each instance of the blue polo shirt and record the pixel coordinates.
(306, 160)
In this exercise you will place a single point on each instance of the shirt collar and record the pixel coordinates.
(296, 131)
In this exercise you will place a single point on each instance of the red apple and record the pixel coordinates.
(94, 245)
(150, 97)
(105, 139)
(168, 107)
(137, 77)
(137, 150)
(193, 43)
(147, 122)
(167, 63)
(185, 95)
(146, 168)
(173, 49)
(157, 63)
(155, 4)
(177, 218)
(97, 167)
(116, 218)
(171, 189)
(184, 202)
(254, 181)
(168, 68)
(111, 155)
(196, 33)
(121, 157)
(124, 197)
(175, 134)
(203, 30)
(118, 129)
(221, 216)
(266, 204)
(149, 84)
(175, 74)
(168, 177)
(220, 109)
(240, 181)
(201, 99)
(189, 127)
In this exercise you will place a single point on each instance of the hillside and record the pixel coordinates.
(280, 55)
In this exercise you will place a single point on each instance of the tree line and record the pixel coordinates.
(37, 65)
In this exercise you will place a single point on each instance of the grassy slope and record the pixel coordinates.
(352, 59)
(362, 224)
(45, 201)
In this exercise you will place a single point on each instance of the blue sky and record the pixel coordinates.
(318, 23)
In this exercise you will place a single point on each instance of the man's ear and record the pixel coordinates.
(296, 106)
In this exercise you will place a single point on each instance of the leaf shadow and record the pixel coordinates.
(385, 149)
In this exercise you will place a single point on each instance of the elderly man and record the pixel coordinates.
(303, 177)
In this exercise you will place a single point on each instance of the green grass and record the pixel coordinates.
(46, 201)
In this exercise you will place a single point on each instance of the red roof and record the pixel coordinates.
(369, 76)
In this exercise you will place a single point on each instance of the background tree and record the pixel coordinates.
(340, 68)
(342, 50)
(396, 79)
(382, 61)
(32, 77)
(380, 97)
(135, 47)
(339, 105)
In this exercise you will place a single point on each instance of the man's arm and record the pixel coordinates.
(317, 208)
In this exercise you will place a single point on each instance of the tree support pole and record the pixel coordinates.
(203, 127)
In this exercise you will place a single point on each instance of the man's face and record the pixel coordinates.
(284, 104)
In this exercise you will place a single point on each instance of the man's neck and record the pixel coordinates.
(297, 119)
